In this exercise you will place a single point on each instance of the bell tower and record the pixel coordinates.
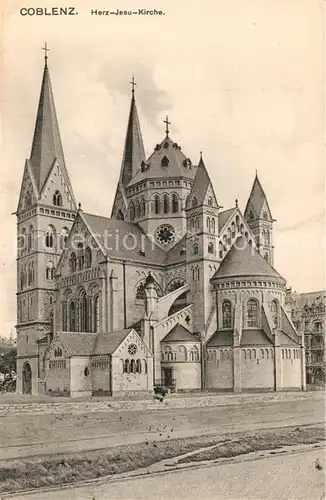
(45, 213)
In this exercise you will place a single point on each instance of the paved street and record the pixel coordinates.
(289, 477)
(27, 435)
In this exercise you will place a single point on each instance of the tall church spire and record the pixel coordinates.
(201, 187)
(46, 146)
(257, 205)
(134, 152)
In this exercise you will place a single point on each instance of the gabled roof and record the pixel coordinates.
(134, 152)
(78, 344)
(224, 217)
(166, 161)
(107, 343)
(124, 240)
(200, 186)
(179, 334)
(244, 260)
(177, 253)
(46, 146)
(256, 201)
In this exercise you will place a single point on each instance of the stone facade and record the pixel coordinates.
(308, 313)
(170, 290)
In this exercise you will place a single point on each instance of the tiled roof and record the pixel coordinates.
(46, 146)
(107, 343)
(244, 260)
(134, 152)
(224, 216)
(256, 200)
(175, 167)
(79, 344)
(254, 337)
(179, 334)
(200, 186)
(124, 240)
(221, 338)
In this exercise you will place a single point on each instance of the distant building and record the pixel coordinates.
(308, 313)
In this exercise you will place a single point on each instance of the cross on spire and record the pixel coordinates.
(167, 123)
(46, 50)
(133, 84)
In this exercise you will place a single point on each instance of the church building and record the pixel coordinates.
(171, 289)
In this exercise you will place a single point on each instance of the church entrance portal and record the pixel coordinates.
(167, 377)
(27, 379)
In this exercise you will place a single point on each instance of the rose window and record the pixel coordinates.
(165, 234)
(132, 349)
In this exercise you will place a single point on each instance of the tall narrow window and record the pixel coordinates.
(213, 225)
(88, 257)
(232, 230)
(63, 237)
(73, 262)
(208, 224)
(274, 311)
(64, 316)
(157, 205)
(195, 249)
(57, 199)
(83, 313)
(142, 207)
(166, 204)
(252, 313)
(210, 247)
(226, 314)
(220, 250)
(30, 238)
(132, 210)
(194, 202)
(175, 204)
(137, 209)
(210, 201)
(50, 271)
(72, 317)
(49, 237)
(80, 257)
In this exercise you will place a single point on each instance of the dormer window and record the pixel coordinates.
(210, 201)
(166, 145)
(265, 216)
(165, 161)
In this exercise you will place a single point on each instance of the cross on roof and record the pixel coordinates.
(167, 123)
(133, 84)
(46, 50)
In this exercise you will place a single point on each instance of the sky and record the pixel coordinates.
(241, 81)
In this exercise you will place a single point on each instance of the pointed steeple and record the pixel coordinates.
(202, 184)
(134, 152)
(257, 206)
(46, 146)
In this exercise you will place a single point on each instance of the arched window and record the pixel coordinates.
(266, 256)
(268, 238)
(241, 228)
(28, 199)
(138, 366)
(237, 222)
(195, 249)
(210, 247)
(213, 225)
(210, 201)
(197, 223)
(182, 353)
(220, 250)
(72, 317)
(132, 210)
(142, 207)
(166, 204)
(274, 311)
(246, 235)
(194, 201)
(208, 224)
(137, 209)
(226, 314)
(126, 367)
(229, 236)
(132, 366)
(29, 279)
(83, 312)
(50, 237)
(252, 313)
(73, 262)
(96, 314)
(57, 199)
(232, 229)
(63, 237)
(194, 354)
(157, 204)
(88, 257)
(263, 236)
(187, 200)
(50, 271)
(175, 203)
(80, 256)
